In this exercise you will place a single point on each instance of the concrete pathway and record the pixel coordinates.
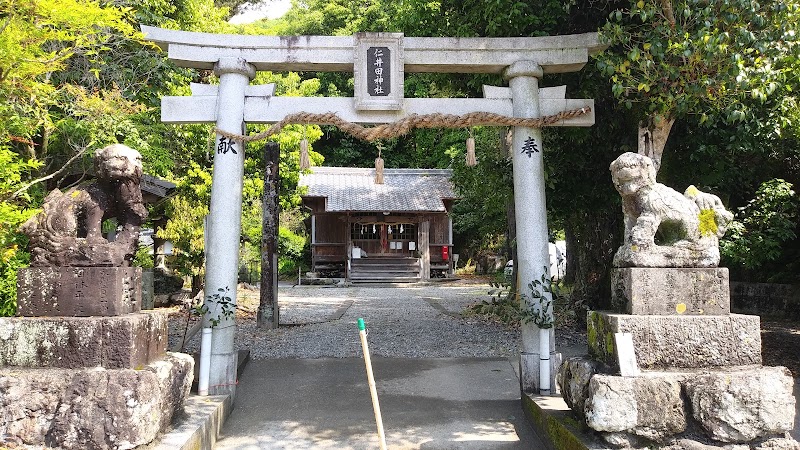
(440, 403)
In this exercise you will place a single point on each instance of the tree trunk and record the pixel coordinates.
(506, 135)
(597, 235)
(511, 233)
(197, 284)
(572, 246)
(653, 134)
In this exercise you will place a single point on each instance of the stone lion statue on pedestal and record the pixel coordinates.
(68, 231)
(664, 228)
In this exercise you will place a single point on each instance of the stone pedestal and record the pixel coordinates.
(122, 342)
(680, 342)
(78, 291)
(76, 382)
(701, 366)
(666, 291)
(92, 408)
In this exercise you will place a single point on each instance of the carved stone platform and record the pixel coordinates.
(78, 291)
(677, 342)
(728, 405)
(662, 291)
(92, 408)
(122, 342)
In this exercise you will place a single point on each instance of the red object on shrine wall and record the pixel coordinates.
(445, 253)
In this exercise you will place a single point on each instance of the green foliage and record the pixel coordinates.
(689, 56)
(335, 17)
(503, 305)
(514, 308)
(466, 18)
(763, 226)
(288, 268)
(223, 307)
(14, 172)
(290, 245)
(186, 212)
(538, 304)
(143, 258)
(480, 218)
(37, 39)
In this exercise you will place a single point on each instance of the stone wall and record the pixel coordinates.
(766, 299)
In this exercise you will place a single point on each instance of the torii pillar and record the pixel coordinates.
(225, 221)
(533, 259)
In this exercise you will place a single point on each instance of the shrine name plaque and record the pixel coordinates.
(378, 71)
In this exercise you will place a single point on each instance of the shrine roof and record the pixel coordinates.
(404, 190)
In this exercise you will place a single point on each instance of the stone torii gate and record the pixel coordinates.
(378, 61)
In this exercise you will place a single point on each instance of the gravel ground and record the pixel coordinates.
(408, 322)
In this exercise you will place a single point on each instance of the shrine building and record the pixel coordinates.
(398, 231)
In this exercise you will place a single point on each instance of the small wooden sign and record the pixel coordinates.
(378, 71)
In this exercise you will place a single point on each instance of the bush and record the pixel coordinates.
(10, 261)
(14, 210)
(762, 228)
(290, 244)
(504, 304)
(143, 258)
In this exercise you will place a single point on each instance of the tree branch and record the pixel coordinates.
(47, 177)
(666, 7)
(5, 25)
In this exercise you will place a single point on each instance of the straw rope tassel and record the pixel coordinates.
(471, 161)
(379, 169)
(305, 161)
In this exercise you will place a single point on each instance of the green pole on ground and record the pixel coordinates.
(362, 331)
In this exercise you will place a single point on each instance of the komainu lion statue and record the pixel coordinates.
(662, 227)
(68, 231)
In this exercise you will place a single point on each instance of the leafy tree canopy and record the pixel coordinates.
(689, 56)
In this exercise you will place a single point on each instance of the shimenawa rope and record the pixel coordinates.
(408, 123)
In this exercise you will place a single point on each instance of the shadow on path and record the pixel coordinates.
(443, 403)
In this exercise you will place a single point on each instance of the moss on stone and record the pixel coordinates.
(561, 431)
(708, 222)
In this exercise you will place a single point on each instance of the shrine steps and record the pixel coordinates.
(384, 270)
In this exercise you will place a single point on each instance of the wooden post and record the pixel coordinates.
(268, 304)
(348, 248)
(425, 249)
(451, 268)
(313, 242)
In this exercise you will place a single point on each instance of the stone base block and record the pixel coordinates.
(677, 342)
(78, 291)
(92, 408)
(573, 382)
(665, 291)
(744, 405)
(729, 406)
(122, 342)
(646, 407)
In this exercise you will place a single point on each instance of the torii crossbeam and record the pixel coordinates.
(379, 62)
